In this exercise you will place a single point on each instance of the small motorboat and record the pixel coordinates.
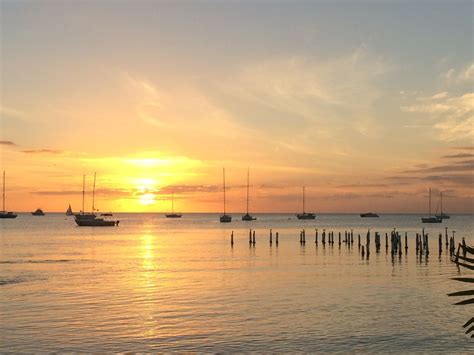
(369, 214)
(38, 212)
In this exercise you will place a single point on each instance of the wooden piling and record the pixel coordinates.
(316, 237)
(253, 241)
(406, 241)
(276, 238)
(232, 238)
(271, 237)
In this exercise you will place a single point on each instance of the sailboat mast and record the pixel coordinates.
(303, 200)
(93, 194)
(223, 178)
(3, 190)
(441, 196)
(429, 205)
(248, 183)
(83, 191)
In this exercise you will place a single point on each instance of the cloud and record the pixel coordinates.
(10, 112)
(460, 76)
(453, 116)
(467, 165)
(104, 192)
(42, 151)
(9, 143)
(459, 155)
(182, 189)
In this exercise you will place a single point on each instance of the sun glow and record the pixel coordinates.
(147, 199)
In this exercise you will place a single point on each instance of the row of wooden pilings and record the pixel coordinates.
(421, 241)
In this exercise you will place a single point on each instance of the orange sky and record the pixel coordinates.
(157, 97)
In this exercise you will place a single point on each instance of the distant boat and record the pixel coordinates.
(225, 218)
(369, 214)
(172, 214)
(107, 214)
(3, 213)
(69, 211)
(247, 216)
(430, 219)
(305, 215)
(38, 212)
(90, 219)
(442, 215)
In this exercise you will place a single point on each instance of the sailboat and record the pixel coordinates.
(247, 216)
(430, 219)
(442, 215)
(3, 213)
(225, 218)
(172, 214)
(90, 219)
(69, 211)
(305, 215)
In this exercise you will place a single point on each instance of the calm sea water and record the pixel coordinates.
(159, 284)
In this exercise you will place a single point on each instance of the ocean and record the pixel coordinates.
(157, 284)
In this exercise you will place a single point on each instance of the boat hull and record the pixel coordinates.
(306, 216)
(225, 218)
(96, 222)
(8, 215)
(431, 220)
(369, 215)
(248, 217)
(173, 215)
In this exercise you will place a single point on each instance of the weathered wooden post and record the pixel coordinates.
(232, 238)
(426, 245)
(386, 241)
(358, 240)
(446, 234)
(406, 242)
(440, 243)
(323, 237)
(276, 238)
(316, 237)
(362, 251)
(253, 241)
(271, 237)
(339, 238)
(250, 236)
(304, 236)
(352, 236)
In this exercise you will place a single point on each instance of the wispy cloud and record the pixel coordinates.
(9, 143)
(42, 151)
(453, 116)
(459, 155)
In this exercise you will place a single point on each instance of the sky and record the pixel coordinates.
(366, 103)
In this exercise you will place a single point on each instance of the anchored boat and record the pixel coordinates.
(69, 211)
(3, 213)
(225, 218)
(172, 214)
(90, 219)
(430, 218)
(305, 215)
(38, 212)
(247, 216)
(442, 215)
(369, 214)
